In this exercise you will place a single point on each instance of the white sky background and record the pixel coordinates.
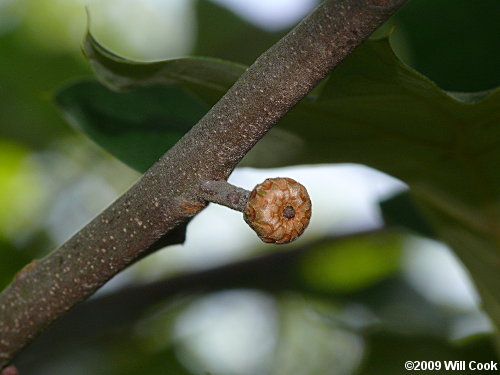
(270, 14)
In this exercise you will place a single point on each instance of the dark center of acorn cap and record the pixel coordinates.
(289, 212)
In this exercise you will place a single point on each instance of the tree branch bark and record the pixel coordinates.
(170, 193)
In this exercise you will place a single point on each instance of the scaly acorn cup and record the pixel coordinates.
(278, 210)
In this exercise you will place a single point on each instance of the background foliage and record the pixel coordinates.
(326, 306)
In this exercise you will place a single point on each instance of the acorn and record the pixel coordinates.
(278, 210)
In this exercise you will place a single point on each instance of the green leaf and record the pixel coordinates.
(137, 126)
(207, 78)
(453, 41)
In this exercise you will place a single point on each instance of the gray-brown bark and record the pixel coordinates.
(169, 192)
(225, 194)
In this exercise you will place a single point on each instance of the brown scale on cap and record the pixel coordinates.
(278, 210)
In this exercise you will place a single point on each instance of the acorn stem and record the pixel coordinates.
(225, 194)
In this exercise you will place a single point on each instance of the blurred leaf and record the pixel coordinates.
(400, 210)
(224, 35)
(398, 307)
(138, 126)
(309, 343)
(132, 357)
(20, 190)
(29, 74)
(351, 265)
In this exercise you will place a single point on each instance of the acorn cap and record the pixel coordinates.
(278, 210)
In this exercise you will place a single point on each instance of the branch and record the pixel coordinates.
(170, 193)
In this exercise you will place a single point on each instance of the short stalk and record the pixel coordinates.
(225, 194)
